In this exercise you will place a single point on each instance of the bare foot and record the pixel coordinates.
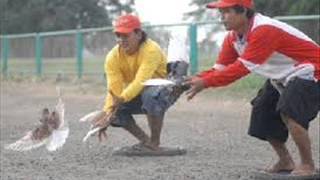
(281, 166)
(303, 170)
(152, 146)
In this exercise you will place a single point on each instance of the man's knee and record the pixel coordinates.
(129, 124)
(294, 125)
(158, 117)
(299, 104)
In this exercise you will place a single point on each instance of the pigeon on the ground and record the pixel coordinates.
(52, 131)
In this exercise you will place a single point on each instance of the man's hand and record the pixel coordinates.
(196, 85)
(104, 119)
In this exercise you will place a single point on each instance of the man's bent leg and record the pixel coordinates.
(137, 132)
(302, 140)
(299, 105)
(285, 162)
(266, 124)
(155, 124)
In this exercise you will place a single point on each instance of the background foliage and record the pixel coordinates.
(26, 16)
(267, 7)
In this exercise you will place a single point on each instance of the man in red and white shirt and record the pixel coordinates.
(290, 61)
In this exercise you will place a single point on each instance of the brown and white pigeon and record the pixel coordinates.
(52, 131)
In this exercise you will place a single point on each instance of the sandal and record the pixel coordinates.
(142, 150)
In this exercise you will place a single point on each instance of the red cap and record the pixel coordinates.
(230, 3)
(127, 24)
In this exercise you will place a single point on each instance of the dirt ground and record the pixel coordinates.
(212, 128)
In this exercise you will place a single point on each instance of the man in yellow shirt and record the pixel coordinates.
(131, 62)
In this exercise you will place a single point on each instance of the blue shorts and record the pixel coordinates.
(154, 101)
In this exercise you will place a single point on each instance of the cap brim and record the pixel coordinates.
(219, 5)
(123, 30)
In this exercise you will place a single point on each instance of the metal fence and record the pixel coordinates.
(81, 53)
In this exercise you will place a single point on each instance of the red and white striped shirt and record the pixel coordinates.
(270, 48)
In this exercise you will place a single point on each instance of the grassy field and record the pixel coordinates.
(55, 66)
(65, 69)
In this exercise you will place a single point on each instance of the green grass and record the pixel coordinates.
(245, 87)
(55, 66)
(66, 69)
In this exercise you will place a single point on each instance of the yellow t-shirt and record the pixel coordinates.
(126, 73)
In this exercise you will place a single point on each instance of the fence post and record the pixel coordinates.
(5, 52)
(193, 48)
(38, 55)
(79, 46)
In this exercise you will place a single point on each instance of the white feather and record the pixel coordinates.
(178, 49)
(158, 82)
(90, 133)
(90, 116)
(26, 143)
(57, 139)
(60, 108)
(59, 136)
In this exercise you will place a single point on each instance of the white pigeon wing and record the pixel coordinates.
(178, 49)
(60, 109)
(90, 116)
(158, 82)
(57, 139)
(59, 136)
(90, 133)
(26, 143)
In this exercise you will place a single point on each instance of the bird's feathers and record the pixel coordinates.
(90, 116)
(99, 120)
(57, 139)
(158, 82)
(90, 133)
(52, 131)
(26, 143)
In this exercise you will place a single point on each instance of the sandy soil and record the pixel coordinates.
(212, 128)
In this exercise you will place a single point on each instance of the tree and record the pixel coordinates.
(267, 7)
(294, 7)
(287, 7)
(51, 15)
(201, 13)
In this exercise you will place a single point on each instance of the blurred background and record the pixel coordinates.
(68, 39)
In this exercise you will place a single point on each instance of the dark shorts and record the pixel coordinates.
(298, 101)
(154, 101)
